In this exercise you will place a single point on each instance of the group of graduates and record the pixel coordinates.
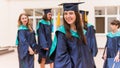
(74, 44)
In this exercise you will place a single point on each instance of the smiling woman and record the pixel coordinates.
(69, 49)
(26, 42)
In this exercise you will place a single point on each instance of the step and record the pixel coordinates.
(3, 49)
(6, 51)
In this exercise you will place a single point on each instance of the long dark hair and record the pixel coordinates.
(78, 28)
(46, 19)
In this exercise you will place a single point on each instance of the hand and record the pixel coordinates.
(116, 59)
(31, 52)
(104, 57)
(46, 48)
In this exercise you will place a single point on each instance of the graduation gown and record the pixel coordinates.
(112, 46)
(44, 30)
(68, 53)
(25, 38)
(91, 39)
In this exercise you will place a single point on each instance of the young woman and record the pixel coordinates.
(44, 31)
(112, 48)
(26, 42)
(69, 49)
(90, 32)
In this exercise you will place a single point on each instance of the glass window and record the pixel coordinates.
(59, 9)
(110, 19)
(39, 12)
(100, 24)
(29, 11)
(36, 15)
(99, 11)
(111, 10)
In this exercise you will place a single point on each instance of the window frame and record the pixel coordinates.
(106, 18)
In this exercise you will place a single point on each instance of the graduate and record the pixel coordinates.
(112, 48)
(69, 49)
(26, 42)
(90, 32)
(44, 30)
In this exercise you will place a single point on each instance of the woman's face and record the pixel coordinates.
(49, 15)
(24, 19)
(69, 17)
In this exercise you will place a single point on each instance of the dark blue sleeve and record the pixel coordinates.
(33, 45)
(23, 44)
(119, 44)
(42, 37)
(105, 48)
(93, 42)
(62, 58)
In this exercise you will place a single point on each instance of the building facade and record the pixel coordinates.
(101, 13)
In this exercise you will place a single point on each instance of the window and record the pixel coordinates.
(29, 11)
(99, 11)
(36, 14)
(100, 24)
(104, 16)
(113, 11)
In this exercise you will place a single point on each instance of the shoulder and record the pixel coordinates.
(89, 25)
(61, 29)
(22, 27)
(42, 20)
(110, 34)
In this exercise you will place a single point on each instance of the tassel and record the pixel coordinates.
(86, 19)
(58, 19)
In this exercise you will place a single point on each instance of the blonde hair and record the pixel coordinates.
(28, 24)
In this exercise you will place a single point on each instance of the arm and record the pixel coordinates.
(104, 57)
(117, 57)
(62, 58)
(34, 45)
(93, 42)
(42, 37)
(23, 44)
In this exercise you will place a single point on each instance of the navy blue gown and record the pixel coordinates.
(91, 39)
(25, 39)
(44, 31)
(112, 46)
(68, 53)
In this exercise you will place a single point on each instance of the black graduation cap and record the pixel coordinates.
(46, 11)
(83, 12)
(71, 6)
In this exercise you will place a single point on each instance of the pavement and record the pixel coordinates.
(10, 60)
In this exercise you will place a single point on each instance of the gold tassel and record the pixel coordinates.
(86, 19)
(58, 19)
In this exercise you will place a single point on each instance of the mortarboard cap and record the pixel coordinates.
(83, 12)
(46, 11)
(71, 6)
